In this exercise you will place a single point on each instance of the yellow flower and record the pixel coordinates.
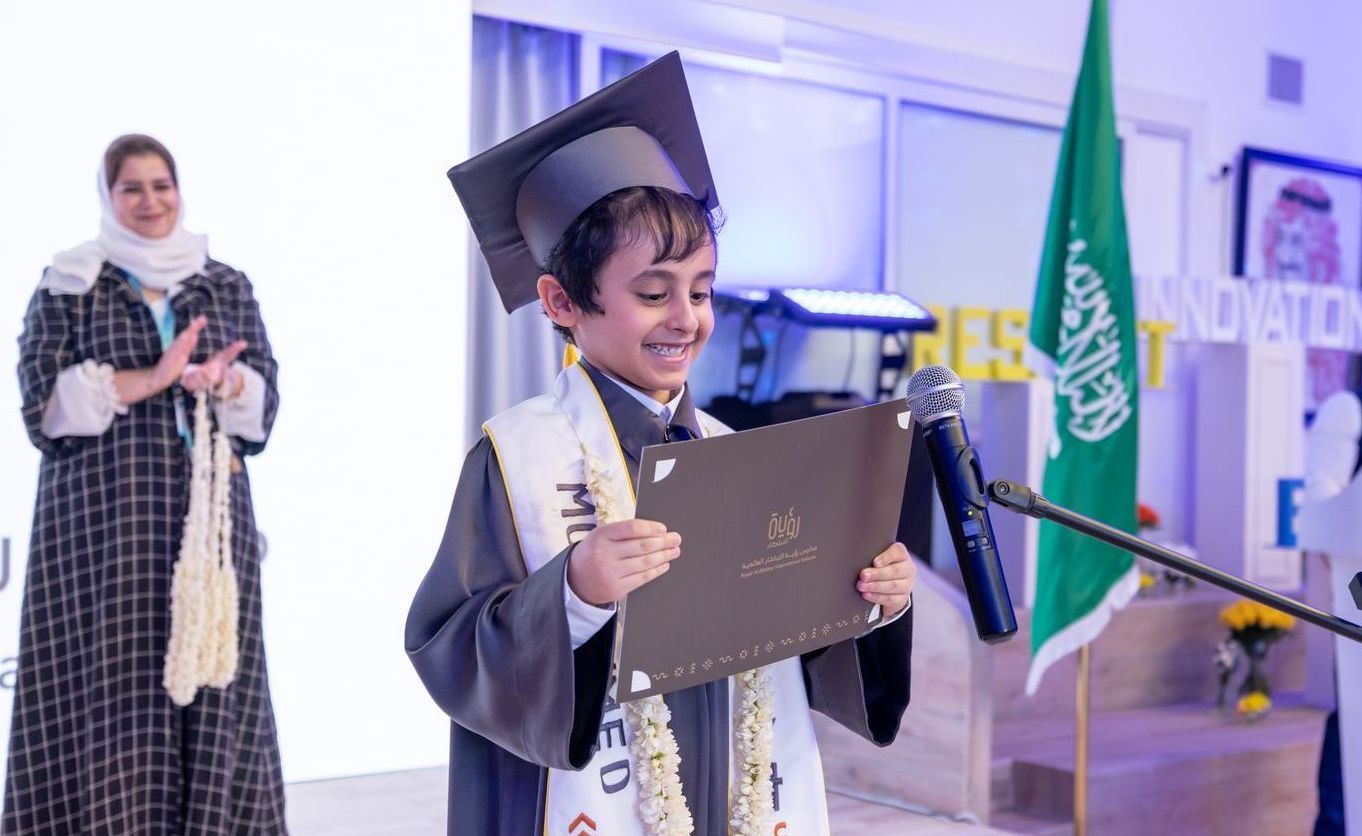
(1244, 614)
(1282, 621)
(1233, 616)
(1146, 580)
(1254, 702)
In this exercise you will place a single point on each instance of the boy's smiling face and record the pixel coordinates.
(657, 316)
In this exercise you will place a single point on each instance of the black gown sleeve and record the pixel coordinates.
(258, 355)
(46, 347)
(491, 642)
(863, 683)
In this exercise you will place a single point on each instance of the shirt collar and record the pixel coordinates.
(636, 416)
(648, 400)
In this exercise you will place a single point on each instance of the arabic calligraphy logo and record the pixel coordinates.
(782, 528)
(1090, 354)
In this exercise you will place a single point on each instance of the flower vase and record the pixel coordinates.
(1255, 694)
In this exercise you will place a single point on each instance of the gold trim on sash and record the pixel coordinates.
(506, 488)
(605, 415)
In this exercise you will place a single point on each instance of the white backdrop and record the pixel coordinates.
(312, 141)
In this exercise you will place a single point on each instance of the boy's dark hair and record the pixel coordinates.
(677, 224)
(135, 145)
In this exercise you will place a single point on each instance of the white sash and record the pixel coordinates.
(540, 444)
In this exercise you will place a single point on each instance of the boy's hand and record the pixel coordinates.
(615, 559)
(889, 580)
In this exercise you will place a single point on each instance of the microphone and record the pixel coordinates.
(936, 397)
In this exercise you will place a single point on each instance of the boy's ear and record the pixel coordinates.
(557, 304)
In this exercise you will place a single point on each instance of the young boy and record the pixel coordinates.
(602, 214)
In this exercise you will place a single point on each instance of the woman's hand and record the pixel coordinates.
(136, 385)
(615, 559)
(176, 357)
(889, 580)
(216, 373)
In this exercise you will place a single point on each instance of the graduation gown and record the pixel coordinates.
(491, 644)
(96, 746)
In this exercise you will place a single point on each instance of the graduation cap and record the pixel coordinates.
(523, 194)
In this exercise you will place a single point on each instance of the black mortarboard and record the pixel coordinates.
(521, 195)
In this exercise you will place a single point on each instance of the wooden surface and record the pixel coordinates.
(1179, 769)
(1157, 651)
(413, 804)
(1162, 758)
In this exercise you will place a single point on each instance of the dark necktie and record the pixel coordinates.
(672, 431)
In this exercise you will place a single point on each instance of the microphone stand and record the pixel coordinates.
(1022, 500)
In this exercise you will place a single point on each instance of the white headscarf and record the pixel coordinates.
(158, 263)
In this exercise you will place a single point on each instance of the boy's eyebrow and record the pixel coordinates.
(656, 272)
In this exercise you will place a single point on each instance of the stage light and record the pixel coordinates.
(755, 296)
(892, 314)
(748, 301)
(882, 311)
(827, 307)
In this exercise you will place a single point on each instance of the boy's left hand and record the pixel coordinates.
(889, 580)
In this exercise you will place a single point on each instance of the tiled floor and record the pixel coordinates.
(413, 804)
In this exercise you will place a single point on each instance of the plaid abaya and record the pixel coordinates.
(96, 745)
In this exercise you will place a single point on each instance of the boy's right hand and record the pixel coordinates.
(616, 558)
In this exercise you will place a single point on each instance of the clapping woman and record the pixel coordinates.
(121, 337)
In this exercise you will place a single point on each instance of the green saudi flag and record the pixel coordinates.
(1083, 337)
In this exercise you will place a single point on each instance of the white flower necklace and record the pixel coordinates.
(656, 759)
(752, 805)
(203, 646)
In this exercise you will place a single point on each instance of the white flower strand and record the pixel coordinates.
(753, 738)
(202, 649)
(188, 610)
(657, 763)
(221, 651)
(656, 758)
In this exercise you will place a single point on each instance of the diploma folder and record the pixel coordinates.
(776, 524)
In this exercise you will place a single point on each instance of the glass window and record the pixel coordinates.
(800, 173)
(973, 198)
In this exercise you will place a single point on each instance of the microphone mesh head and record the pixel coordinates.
(934, 392)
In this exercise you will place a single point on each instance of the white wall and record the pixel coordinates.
(312, 141)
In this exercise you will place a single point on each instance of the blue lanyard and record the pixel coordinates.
(165, 328)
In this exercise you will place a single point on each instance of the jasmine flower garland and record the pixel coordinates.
(657, 763)
(221, 653)
(203, 600)
(752, 804)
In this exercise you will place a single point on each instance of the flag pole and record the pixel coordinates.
(1083, 700)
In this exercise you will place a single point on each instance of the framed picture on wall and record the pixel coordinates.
(1300, 219)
